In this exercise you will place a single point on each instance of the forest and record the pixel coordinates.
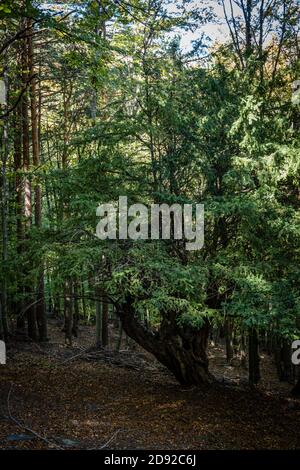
(141, 343)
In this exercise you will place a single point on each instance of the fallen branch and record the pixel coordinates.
(76, 355)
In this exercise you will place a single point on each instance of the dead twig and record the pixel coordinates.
(76, 355)
(108, 442)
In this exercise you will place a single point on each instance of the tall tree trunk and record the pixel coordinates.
(5, 154)
(254, 359)
(19, 208)
(40, 305)
(282, 356)
(68, 311)
(228, 339)
(105, 335)
(98, 317)
(242, 351)
(76, 310)
(286, 354)
(83, 299)
(248, 19)
(56, 305)
(31, 314)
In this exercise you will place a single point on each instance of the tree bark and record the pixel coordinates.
(228, 340)
(68, 311)
(31, 314)
(98, 317)
(76, 311)
(286, 354)
(254, 359)
(105, 336)
(181, 349)
(5, 154)
(40, 306)
(19, 208)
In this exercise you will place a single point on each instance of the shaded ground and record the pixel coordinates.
(86, 399)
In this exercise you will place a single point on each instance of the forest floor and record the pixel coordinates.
(79, 398)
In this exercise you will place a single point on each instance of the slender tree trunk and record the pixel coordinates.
(286, 354)
(31, 314)
(40, 306)
(105, 335)
(248, 18)
(98, 317)
(76, 310)
(19, 209)
(254, 359)
(83, 299)
(228, 339)
(5, 154)
(296, 389)
(56, 305)
(283, 360)
(68, 311)
(242, 351)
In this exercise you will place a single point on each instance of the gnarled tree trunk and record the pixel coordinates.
(181, 349)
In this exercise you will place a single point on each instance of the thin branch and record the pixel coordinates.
(24, 89)
(108, 442)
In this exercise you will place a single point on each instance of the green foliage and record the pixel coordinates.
(131, 113)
